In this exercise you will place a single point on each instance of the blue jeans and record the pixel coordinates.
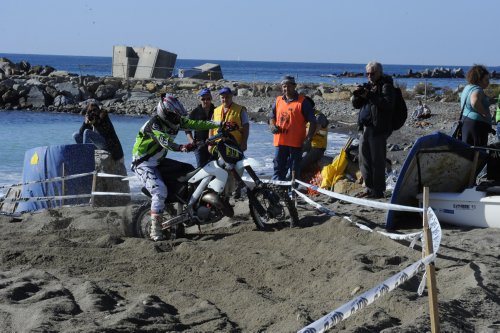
(202, 156)
(90, 136)
(284, 155)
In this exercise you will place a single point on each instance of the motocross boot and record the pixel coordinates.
(156, 232)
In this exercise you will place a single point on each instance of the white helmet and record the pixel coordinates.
(170, 104)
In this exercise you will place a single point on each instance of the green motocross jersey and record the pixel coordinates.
(156, 138)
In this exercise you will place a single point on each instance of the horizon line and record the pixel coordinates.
(246, 60)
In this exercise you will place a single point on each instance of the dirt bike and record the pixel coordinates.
(201, 196)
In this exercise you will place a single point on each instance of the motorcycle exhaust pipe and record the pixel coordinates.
(213, 199)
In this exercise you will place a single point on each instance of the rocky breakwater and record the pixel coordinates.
(435, 73)
(43, 88)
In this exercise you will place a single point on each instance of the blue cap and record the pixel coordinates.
(288, 79)
(204, 91)
(225, 90)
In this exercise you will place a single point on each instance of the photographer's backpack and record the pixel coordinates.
(400, 112)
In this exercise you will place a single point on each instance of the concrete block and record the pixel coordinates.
(125, 61)
(155, 63)
(209, 71)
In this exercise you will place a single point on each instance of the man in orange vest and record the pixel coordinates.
(287, 122)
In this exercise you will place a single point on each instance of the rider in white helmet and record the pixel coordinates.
(154, 140)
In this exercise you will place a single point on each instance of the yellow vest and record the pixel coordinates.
(233, 115)
(320, 138)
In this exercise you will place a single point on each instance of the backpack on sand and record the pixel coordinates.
(400, 112)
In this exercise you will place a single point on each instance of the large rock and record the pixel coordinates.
(105, 91)
(70, 89)
(10, 96)
(140, 95)
(46, 70)
(7, 67)
(37, 97)
(62, 100)
(21, 89)
(106, 164)
(84, 93)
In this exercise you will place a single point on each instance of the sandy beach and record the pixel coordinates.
(72, 269)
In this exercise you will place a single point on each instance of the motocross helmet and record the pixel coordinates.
(170, 110)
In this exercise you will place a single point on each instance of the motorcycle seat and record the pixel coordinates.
(185, 178)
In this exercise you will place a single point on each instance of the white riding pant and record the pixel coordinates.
(151, 179)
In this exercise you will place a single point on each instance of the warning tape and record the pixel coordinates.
(56, 179)
(316, 205)
(407, 237)
(63, 197)
(363, 202)
(355, 305)
(336, 316)
(109, 175)
(269, 181)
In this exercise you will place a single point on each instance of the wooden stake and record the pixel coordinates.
(293, 186)
(430, 269)
(63, 184)
(94, 185)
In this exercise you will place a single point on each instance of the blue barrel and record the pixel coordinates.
(48, 162)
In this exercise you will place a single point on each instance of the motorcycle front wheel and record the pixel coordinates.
(141, 222)
(276, 209)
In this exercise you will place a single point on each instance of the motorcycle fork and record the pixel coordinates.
(253, 175)
(251, 197)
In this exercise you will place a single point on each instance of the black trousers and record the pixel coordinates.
(372, 156)
(475, 132)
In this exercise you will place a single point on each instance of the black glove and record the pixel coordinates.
(274, 129)
(230, 126)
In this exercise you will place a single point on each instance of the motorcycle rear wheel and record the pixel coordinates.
(280, 209)
(141, 223)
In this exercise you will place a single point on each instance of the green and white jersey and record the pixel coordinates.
(156, 138)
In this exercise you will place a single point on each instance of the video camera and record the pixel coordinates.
(361, 89)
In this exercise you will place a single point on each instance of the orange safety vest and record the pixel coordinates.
(291, 121)
(233, 115)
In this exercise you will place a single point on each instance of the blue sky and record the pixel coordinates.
(423, 32)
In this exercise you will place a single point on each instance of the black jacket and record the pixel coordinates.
(199, 114)
(376, 110)
(104, 127)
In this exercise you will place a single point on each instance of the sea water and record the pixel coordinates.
(250, 71)
(23, 130)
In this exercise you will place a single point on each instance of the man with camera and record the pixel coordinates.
(375, 99)
(98, 130)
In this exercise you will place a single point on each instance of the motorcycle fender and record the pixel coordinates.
(212, 169)
(252, 162)
(240, 168)
(218, 184)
